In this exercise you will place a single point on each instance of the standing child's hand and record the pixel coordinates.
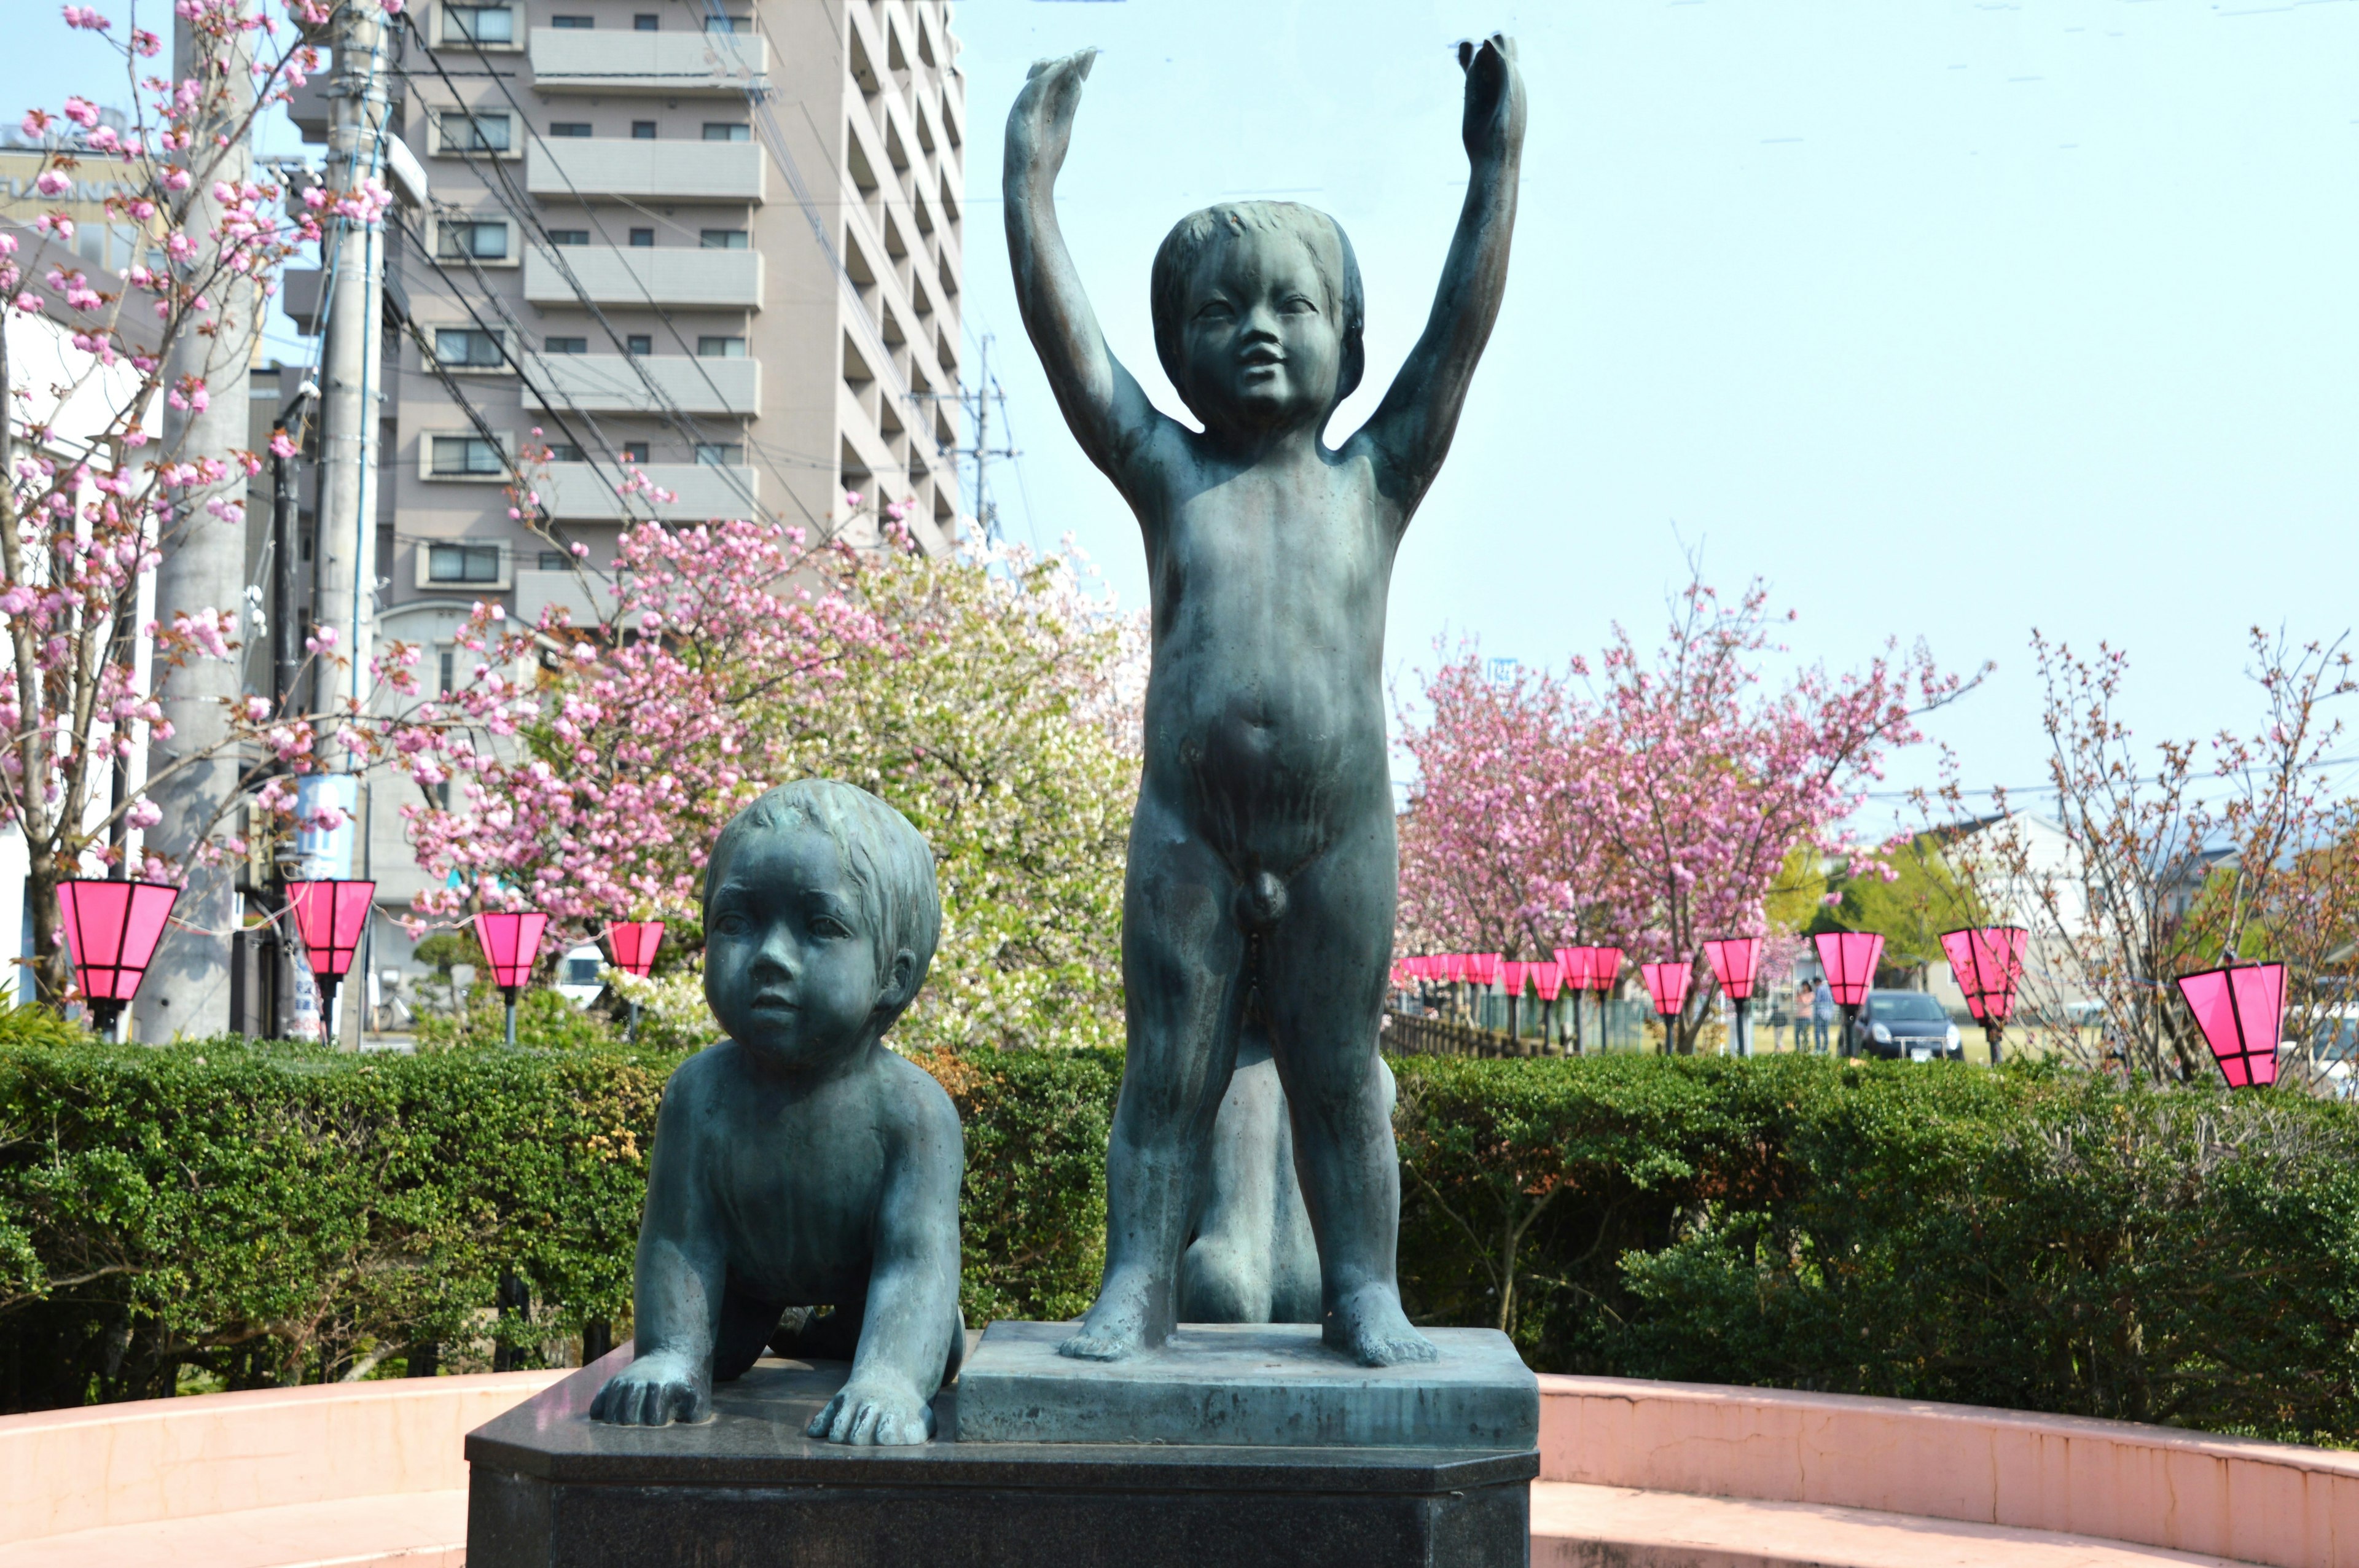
(1495, 96)
(1040, 127)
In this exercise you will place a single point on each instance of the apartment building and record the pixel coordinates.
(714, 242)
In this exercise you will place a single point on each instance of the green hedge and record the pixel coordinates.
(236, 1215)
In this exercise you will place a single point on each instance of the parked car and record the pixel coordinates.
(577, 974)
(1906, 1026)
(2333, 1052)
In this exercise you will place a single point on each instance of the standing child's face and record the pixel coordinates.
(1260, 342)
(789, 966)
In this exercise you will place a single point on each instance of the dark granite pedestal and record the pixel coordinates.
(551, 1489)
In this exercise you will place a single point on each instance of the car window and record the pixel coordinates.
(1910, 1007)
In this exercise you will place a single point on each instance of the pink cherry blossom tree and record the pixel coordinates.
(991, 698)
(99, 480)
(1653, 805)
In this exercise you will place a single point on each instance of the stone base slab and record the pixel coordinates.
(1253, 1385)
(550, 1487)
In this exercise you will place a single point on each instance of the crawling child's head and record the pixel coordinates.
(821, 915)
(1258, 313)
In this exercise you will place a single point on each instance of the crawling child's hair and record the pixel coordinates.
(887, 861)
(1200, 234)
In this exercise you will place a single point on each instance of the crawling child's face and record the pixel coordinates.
(1260, 342)
(789, 966)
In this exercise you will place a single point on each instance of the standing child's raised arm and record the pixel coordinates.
(1411, 430)
(1109, 413)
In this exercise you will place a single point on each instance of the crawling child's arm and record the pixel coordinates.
(1411, 430)
(678, 1277)
(1109, 413)
(907, 1338)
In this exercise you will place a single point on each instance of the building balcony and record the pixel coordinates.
(619, 167)
(673, 278)
(578, 492)
(606, 383)
(668, 65)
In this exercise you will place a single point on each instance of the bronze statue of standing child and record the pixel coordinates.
(1263, 866)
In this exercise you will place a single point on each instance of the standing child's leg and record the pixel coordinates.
(1322, 975)
(1182, 961)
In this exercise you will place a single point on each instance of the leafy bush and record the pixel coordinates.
(253, 1214)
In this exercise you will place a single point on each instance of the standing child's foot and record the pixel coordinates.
(1369, 1326)
(1117, 1327)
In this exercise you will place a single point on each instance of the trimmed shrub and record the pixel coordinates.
(237, 1215)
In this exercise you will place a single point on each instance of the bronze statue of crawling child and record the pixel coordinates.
(800, 1163)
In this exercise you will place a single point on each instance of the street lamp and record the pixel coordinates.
(1548, 978)
(1735, 961)
(2240, 1008)
(331, 916)
(511, 941)
(1849, 958)
(634, 942)
(1987, 961)
(1668, 984)
(110, 930)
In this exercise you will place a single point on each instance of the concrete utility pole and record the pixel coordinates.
(987, 511)
(203, 568)
(354, 381)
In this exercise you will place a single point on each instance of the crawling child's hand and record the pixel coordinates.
(878, 1410)
(655, 1390)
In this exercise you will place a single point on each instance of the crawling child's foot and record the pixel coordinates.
(1369, 1326)
(1116, 1326)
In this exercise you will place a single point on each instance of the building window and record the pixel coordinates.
(722, 239)
(638, 344)
(463, 563)
(466, 456)
(565, 345)
(721, 131)
(569, 127)
(721, 454)
(564, 452)
(568, 236)
(643, 130)
(482, 238)
(468, 348)
(478, 24)
(464, 132)
(635, 451)
(710, 346)
(449, 663)
(584, 22)
(552, 560)
(643, 22)
(728, 24)
(643, 239)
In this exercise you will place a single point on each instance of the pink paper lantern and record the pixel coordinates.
(1548, 980)
(1988, 962)
(511, 941)
(1668, 984)
(110, 930)
(1486, 969)
(1735, 961)
(1512, 973)
(330, 917)
(1605, 967)
(2241, 1009)
(633, 944)
(1849, 958)
(1461, 968)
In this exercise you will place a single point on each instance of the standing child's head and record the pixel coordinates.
(821, 915)
(1259, 314)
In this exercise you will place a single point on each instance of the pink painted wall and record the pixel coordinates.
(105, 1465)
(2258, 1502)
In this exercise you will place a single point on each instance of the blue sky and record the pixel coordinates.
(1950, 321)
